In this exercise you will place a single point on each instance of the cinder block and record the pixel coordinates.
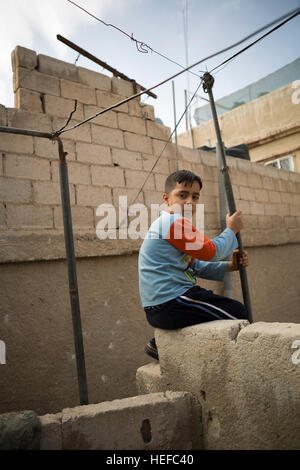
(28, 100)
(296, 199)
(148, 111)
(153, 197)
(126, 159)
(268, 183)
(94, 79)
(82, 217)
(257, 208)
(93, 196)
(78, 173)
(108, 119)
(135, 423)
(131, 124)
(290, 221)
(210, 188)
(274, 196)
(56, 67)
(261, 195)
(211, 221)
(36, 81)
(161, 166)
(3, 225)
(208, 158)
(62, 107)
(135, 179)
(138, 143)
(243, 206)
(159, 182)
(135, 108)
(3, 116)
(106, 136)
(49, 193)
(49, 149)
(27, 217)
(51, 436)
(106, 99)
(15, 190)
(265, 221)
(92, 153)
(247, 193)
(163, 149)
(271, 209)
(22, 119)
(131, 195)
(16, 143)
(206, 173)
(189, 155)
(73, 90)
(158, 131)
(294, 209)
(237, 177)
(109, 176)
(210, 204)
(27, 167)
(23, 57)
(81, 133)
(121, 87)
(254, 181)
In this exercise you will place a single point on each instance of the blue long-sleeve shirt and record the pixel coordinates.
(173, 254)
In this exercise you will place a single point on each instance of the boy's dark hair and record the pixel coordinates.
(181, 176)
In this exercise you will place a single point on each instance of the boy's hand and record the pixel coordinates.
(233, 265)
(234, 221)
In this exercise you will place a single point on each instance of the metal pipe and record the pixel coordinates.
(223, 211)
(73, 287)
(14, 130)
(114, 71)
(208, 82)
(174, 112)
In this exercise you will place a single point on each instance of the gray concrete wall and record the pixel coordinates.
(158, 421)
(246, 378)
(110, 157)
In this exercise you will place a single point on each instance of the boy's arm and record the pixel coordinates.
(186, 238)
(208, 270)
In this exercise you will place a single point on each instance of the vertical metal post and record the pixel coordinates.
(208, 82)
(175, 123)
(186, 114)
(73, 287)
(223, 211)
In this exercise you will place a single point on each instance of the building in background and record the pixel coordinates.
(264, 116)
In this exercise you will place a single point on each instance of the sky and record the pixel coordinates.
(210, 26)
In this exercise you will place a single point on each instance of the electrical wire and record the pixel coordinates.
(141, 46)
(293, 14)
(296, 12)
(168, 141)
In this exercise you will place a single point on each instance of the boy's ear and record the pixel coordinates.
(165, 197)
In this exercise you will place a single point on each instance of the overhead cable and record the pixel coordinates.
(141, 46)
(288, 16)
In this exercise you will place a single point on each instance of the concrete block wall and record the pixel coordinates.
(112, 155)
(108, 157)
(158, 421)
(246, 377)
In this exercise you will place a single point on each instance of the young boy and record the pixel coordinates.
(174, 253)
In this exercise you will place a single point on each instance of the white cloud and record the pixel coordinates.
(27, 22)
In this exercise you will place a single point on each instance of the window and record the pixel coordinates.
(283, 163)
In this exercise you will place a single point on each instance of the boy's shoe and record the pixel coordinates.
(151, 349)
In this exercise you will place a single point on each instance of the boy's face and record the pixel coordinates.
(183, 194)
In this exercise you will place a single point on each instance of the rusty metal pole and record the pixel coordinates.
(73, 287)
(208, 82)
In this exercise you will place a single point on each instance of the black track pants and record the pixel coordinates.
(195, 306)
